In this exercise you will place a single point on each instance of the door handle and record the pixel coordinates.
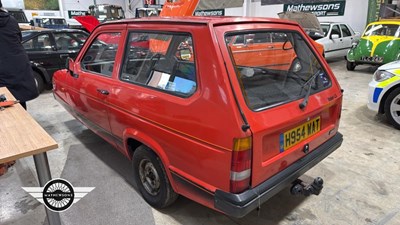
(64, 56)
(103, 92)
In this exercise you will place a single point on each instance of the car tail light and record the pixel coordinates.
(241, 165)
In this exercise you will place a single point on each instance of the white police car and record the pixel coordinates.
(384, 92)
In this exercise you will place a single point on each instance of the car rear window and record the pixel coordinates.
(382, 30)
(276, 67)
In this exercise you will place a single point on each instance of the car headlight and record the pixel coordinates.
(381, 75)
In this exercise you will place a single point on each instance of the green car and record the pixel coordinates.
(379, 44)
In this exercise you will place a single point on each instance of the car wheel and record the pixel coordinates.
(151, 179)
(350, 66)
(392, 108)
(39, 81)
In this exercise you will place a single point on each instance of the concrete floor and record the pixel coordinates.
(362, 182)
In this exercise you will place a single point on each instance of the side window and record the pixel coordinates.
(262, 38)
(69, 41)
(345, 30)
(100, 56)
(336, 30)
(38, 43)
(161, 61)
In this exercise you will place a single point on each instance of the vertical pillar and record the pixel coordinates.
(43, 171)
(61, 8)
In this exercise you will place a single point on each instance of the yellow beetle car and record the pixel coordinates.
(379, 44)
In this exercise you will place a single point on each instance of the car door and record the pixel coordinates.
(275, 108)
(92, 82)
(41, 49)
(335, 44)
(348, 38)
(68, 44)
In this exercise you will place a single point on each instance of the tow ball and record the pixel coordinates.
(302, 188)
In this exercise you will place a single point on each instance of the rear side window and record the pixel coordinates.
(278, 71)
(100, 56)
(161, 61)
(69, 40)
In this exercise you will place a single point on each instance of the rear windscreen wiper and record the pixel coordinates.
(307, 84)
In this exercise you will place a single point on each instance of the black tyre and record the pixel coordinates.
(39, 81)
(392, 108)
(151, 179)
(350, 66)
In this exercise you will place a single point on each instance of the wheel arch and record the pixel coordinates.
(133, 138)
(42, 71)
(385, 96)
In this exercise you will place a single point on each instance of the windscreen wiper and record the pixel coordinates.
(308, 83)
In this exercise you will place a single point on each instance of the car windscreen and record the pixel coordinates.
(382, 30)
(276, 67)
(325, 29)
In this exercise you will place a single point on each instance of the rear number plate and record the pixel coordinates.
(376, 59)
(297, 134)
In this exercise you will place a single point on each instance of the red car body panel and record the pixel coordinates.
(194, 136)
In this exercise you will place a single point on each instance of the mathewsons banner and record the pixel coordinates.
(220, 4)
(319, 7)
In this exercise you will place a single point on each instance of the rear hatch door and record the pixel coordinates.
(286, 92)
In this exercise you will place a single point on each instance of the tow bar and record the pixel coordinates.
(302, 188)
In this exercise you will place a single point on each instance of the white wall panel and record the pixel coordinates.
(355, 11)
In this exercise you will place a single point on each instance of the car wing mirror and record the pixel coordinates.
(70, 65)
(334, 36)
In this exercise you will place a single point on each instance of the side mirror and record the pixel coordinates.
(31, 23)
(70, 65)
(334, 36)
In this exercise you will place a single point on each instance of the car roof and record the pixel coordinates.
(215, 20)
(387, 21)
(53, 31)
(48, 17)
(325, 22)
(28, 34)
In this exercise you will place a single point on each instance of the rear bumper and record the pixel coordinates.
(238, 205)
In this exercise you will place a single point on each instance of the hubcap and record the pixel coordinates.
(395, 109)
(149, 177)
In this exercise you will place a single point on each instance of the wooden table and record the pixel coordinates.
(22, 136)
